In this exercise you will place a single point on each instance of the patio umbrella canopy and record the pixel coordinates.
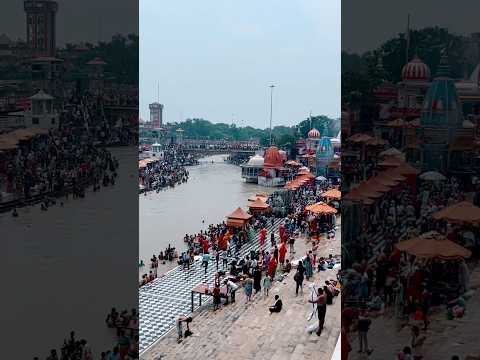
(261, 197)
(333, 194)
(406, 169)
(320, 208)
(378, 186)
(433, 245)
(363, 192)
(463, 212)
(432, 176)
(392, 174)
(391, 152)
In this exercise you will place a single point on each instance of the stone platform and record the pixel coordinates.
(169, 296)
(247, 330)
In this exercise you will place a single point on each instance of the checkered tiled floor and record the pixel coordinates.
(164, 299)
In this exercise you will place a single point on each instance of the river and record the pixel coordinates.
(63, 269)
(215, 188)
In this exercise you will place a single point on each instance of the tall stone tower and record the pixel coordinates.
(41, 26)
(156, 115)
(440, 119)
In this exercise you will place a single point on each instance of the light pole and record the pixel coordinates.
(271, 111)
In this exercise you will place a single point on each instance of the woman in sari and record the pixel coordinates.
(308, 267)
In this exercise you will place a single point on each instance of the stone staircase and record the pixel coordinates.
(168, 297)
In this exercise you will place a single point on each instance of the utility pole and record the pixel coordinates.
(407, 39)
(271, 111)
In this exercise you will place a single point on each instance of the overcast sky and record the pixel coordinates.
(77, 21)
(215, 59)
(366, 24)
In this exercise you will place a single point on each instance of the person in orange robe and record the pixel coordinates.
(222, 242)
(272, 267)
(205, 245)
(263, 236)
(281, 230)
(282, 251)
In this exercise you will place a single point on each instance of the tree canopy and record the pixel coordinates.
(281, 135)
(361, 73)
(120, 54)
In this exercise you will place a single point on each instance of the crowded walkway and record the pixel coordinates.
(392, 286)
(247, 329)
(254, 256)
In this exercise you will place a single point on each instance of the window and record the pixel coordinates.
(53, 121)
(35, 121)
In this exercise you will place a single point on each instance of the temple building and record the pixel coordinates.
(313, 140)
(252, 169)
(404, 100)
(274, 173)
(442, 140)
(324, 156)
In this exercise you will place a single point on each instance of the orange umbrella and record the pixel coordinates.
(433, 245)
(320, 208)
(378, 186)
(261, 197)
(359, 194)
(293, 163)
(385, 180)
(332, 193)
(462, 212)
(390, 162)
(359, 138)
(258, 205)
(406, 169)
(393, 175)
(396, 123)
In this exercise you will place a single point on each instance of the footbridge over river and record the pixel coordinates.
(235, 149)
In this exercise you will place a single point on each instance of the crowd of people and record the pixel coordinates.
(69, 158)
(222, 145)
(219, 246)
(126, 347)
(384, 280)
(170, 254)
(167, 170)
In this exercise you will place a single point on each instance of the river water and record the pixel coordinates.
(63, 269)
(215, 188)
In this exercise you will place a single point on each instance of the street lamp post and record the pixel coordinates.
(271, 111)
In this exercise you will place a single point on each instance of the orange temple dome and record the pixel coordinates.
(273, 158)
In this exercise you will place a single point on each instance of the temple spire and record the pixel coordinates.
(444, 66)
